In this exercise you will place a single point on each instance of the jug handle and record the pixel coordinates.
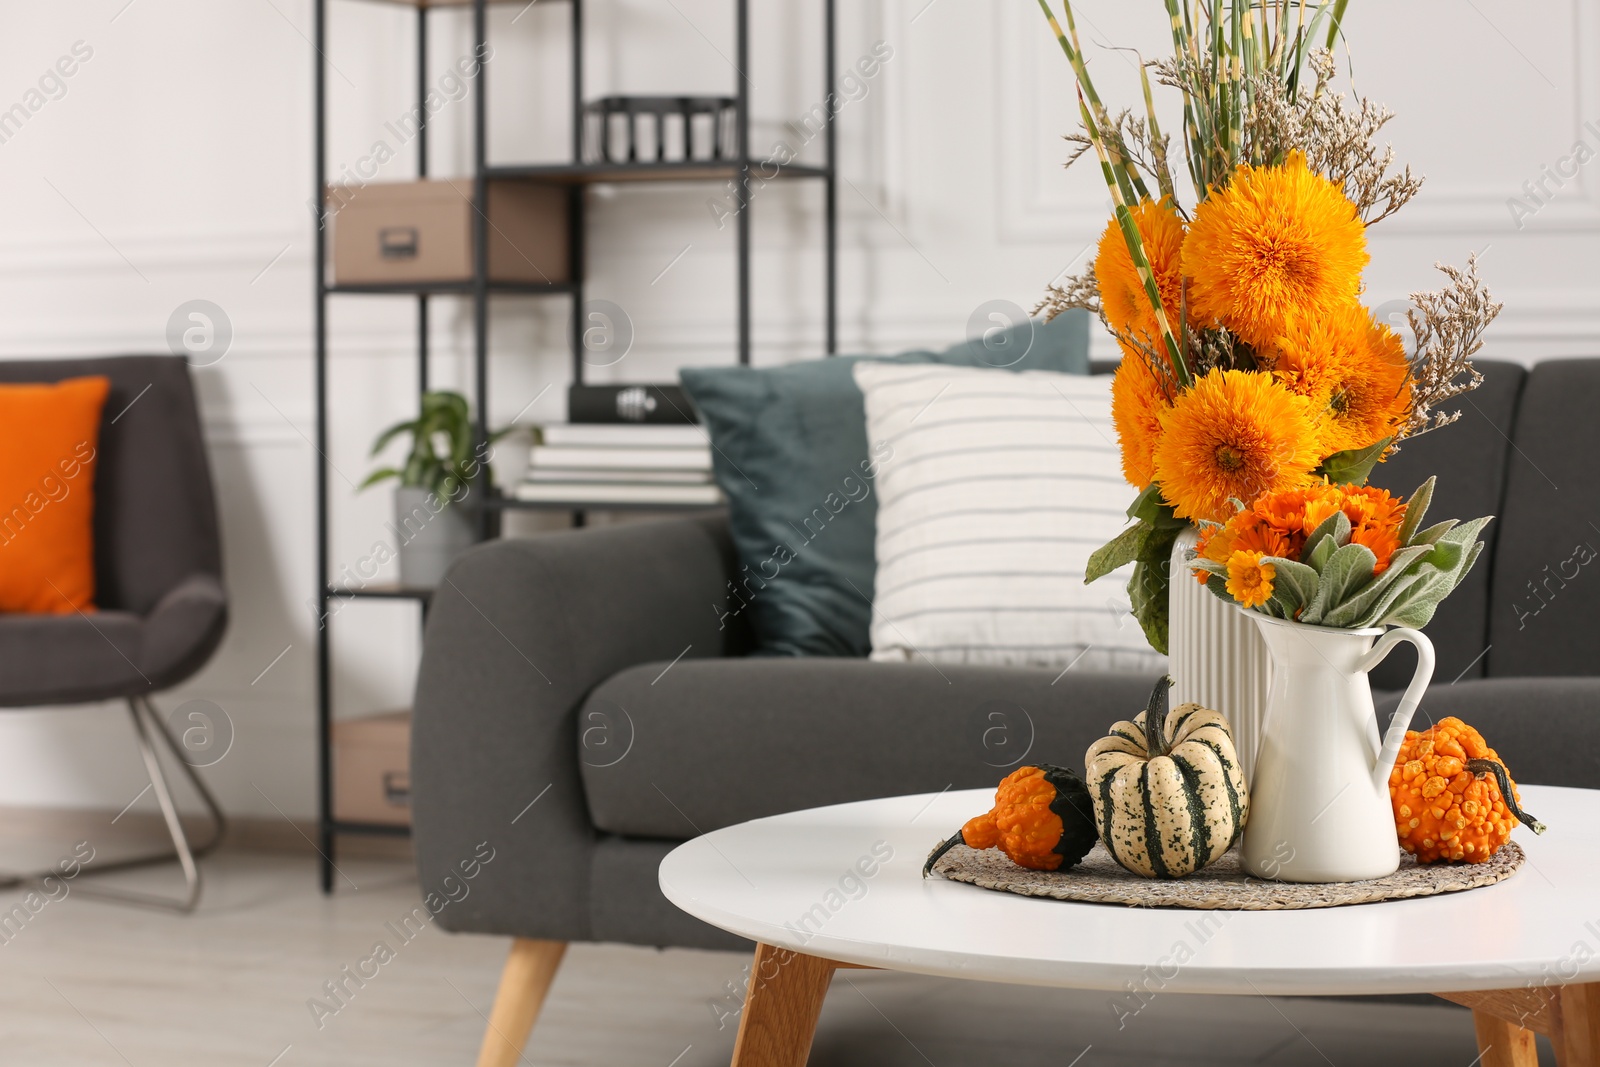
(1408, 703)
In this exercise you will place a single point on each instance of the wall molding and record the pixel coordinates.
(1030, 211)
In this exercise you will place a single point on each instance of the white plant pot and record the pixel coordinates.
(429, 537)
(1216, 656)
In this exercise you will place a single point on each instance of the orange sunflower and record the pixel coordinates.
(1138, 399)
(1232, 436)
(1354, 371)
(1122, 293)
(1279, 245)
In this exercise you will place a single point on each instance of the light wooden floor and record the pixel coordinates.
(90, 983)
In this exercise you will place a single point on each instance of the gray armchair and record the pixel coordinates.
(161, 604)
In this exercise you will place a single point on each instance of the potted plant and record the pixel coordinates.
(433, 519)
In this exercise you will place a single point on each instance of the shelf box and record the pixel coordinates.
(421, 232)
(372, 769)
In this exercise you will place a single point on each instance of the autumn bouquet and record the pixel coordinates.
(1250, 366)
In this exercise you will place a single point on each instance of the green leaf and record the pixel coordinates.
(1148, 507)
(1148, 593)
(1117, 552)
(1351, 611)
(1416, 508)
(379, 475)
(1352, 466)
(1433, 533)
(1349, 568)
(391, 433)
(1334, 532)
(1294, 584)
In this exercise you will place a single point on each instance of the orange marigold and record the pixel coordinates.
(1138, 400)
(1232, 436)
(1250, 580)
(1278, 246)
(1122, 293)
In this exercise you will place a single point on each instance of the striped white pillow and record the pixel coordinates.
(994, 488)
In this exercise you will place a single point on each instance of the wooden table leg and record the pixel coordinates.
(1507, 1019)
(1502, 1043)
(781, 1008)
(1577, 1033)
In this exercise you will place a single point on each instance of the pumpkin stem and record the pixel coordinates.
(1481, 767)
(938, 853)
(1155, 719)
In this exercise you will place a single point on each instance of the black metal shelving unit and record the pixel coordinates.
(577, 176)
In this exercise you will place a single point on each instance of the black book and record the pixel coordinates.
(629, 403)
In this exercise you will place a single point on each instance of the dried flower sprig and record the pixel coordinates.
(1448, 325)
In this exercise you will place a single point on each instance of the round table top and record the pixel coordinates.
(845, 883)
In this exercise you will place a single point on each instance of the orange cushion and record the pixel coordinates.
(49, 438)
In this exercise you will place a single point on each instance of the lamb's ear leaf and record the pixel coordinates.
(1332, 534)
(1433, 533)
(1352, 466)
(1368, 596)
(1117, 552)
(1416, 508)
(1296, 582)
(1219, 587)
(1347, 570)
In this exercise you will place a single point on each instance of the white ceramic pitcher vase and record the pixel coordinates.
(1319, 798)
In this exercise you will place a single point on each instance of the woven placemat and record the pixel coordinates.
(1223, 886)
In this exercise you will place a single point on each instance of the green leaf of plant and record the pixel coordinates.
(379, 475)
(1352, 466)
(1333, 532)
(1294, 584)
(1367, 597)
(1349, 568)
(391, 433)
(1117, 552)
(1148, 594)
(1432, 534)
(1147, 505)
(1416, 508)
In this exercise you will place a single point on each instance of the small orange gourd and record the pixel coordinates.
(1043, 819)
(1453, 799)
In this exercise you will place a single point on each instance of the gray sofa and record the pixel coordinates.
(583, 706)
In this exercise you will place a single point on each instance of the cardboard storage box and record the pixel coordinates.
(372, 769)
(421, 231)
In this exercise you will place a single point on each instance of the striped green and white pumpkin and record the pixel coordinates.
(1169, 797)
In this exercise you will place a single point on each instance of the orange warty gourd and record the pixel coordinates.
(1453, 799)
(1043, 819)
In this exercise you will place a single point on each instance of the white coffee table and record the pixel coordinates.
(842, 887)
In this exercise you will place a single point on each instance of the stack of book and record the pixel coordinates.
(601, 464)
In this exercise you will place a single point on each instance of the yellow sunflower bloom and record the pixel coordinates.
(1232, 436)
(1278, 246)
(1122, 293)
(1250, 580)
(1355, 373)
(1138, 400)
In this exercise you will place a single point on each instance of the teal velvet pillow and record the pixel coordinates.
(790, 453)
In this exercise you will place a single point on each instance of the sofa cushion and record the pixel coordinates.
(791, 457)
(676, 750)
(1546, 574)
(1469, 459)
(1546, 729)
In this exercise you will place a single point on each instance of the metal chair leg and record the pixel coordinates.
(147, 725)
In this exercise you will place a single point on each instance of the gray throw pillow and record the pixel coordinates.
(789, 449)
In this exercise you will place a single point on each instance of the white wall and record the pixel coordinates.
(176, 165)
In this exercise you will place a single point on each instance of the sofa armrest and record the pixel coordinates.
(519, 632)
